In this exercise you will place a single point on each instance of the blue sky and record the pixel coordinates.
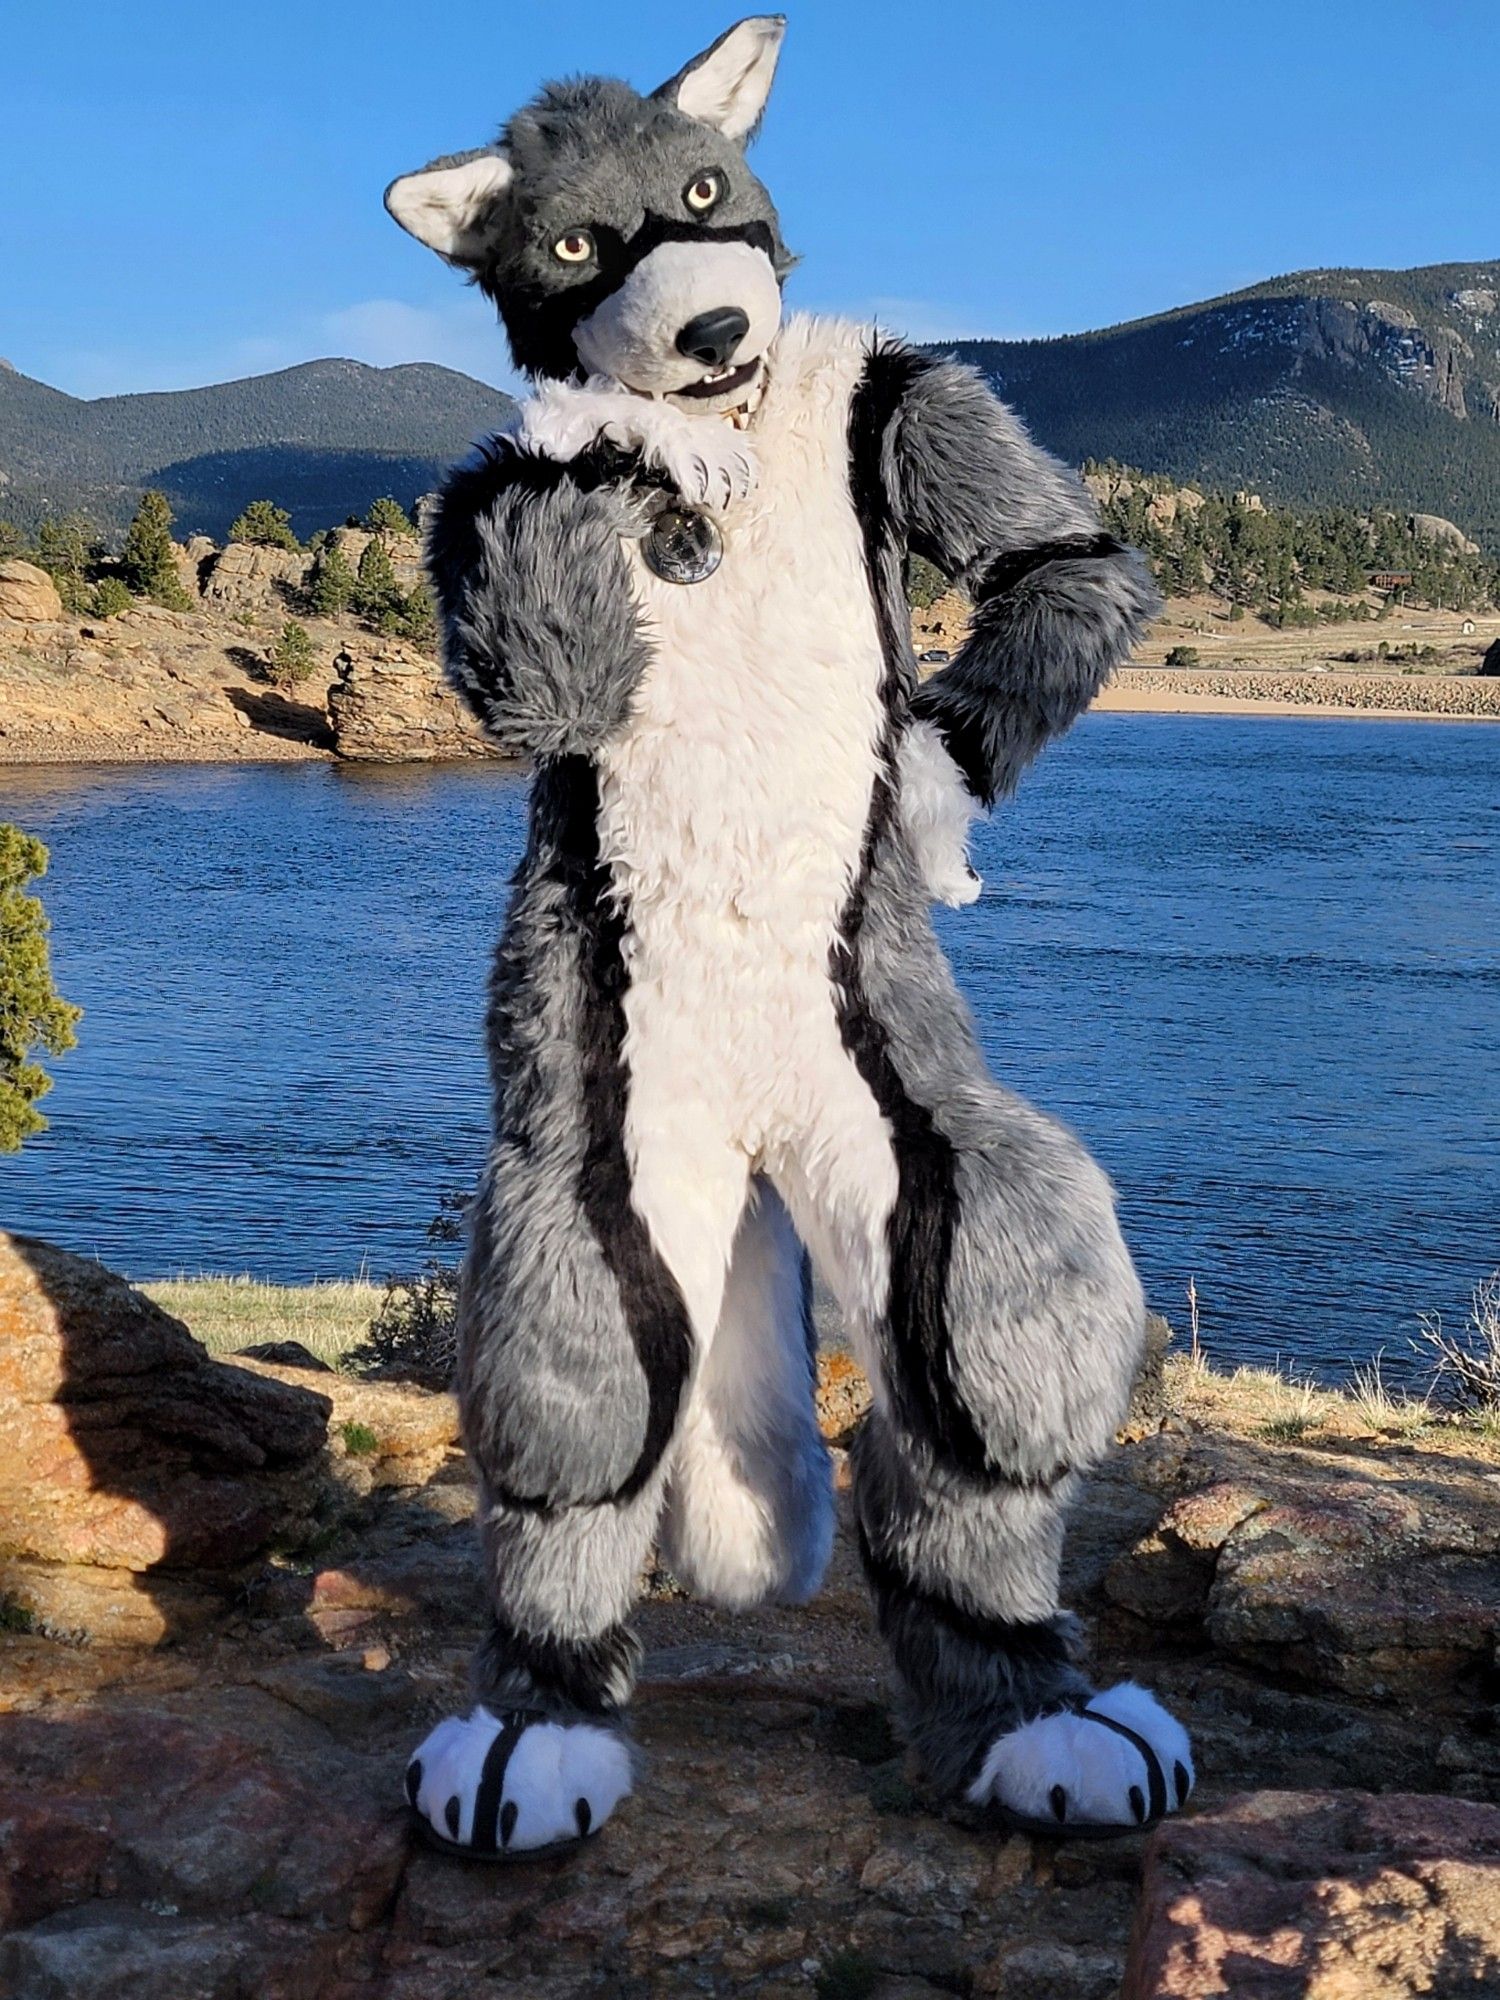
(193, 193)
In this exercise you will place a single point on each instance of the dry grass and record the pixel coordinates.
(228, 1313)
(1466, 1366)
(1391, 1412)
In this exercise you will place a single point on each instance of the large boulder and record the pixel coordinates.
(28, 594)
(1371, 1574)
(391, 705)
(138, 1476)
(247, 577)
(1321, 1896)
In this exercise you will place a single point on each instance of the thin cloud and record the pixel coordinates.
(385, 333)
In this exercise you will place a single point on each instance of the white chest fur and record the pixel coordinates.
(740, 792)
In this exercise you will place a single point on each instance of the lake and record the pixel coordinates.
(1255, 963)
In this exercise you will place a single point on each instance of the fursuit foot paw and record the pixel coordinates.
(494, 1785)
(1109, 1765)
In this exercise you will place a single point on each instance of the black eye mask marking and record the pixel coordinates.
(540, 318)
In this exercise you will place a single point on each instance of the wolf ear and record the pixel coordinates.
(727, 86)
(447, 205)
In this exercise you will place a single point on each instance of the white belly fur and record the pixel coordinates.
(733, 809)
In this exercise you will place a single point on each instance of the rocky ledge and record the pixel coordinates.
(211, 1810)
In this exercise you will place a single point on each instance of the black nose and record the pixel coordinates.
(713, 336)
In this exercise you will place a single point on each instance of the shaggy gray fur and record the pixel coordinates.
(540, 633)
(972, 487)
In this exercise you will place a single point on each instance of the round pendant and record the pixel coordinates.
(683, 547)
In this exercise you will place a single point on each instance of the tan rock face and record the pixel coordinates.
(28, 594)
(126, 1451)
(247, 577)
(390, 704)
(1321, 1896)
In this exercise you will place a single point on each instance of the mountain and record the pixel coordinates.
(323, 440)
(1360, 388)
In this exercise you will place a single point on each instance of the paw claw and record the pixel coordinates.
(1182, 1781)
(1138, 1804)
(1059, 1801)
(451, 1813)
(509, 1813)
(583, 1813)
(413, 1780)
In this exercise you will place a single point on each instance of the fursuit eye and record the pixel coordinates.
(702, 194)
(575, 248)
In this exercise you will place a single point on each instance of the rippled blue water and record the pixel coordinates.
(1255, 963)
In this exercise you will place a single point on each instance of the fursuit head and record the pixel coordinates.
(726, 1048)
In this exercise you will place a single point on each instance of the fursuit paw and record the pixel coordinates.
(1115, 1762)
(493, 1785)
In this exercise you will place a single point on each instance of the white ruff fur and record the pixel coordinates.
(1095, 1767)
(709, 462)
(552, 1768)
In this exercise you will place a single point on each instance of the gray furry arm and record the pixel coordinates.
(1057, 602)
(541, 635)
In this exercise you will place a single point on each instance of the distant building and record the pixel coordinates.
(1391, 579)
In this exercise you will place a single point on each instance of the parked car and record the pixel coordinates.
(936, 658)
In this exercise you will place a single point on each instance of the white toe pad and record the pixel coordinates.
(1120, 1760)
(503, 1784)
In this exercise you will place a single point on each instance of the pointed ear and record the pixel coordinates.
(727, 86)
(447, 205)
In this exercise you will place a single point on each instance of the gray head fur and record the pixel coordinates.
(621, 234)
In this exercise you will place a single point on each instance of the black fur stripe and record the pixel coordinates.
(897, 1595)
(485, 1838)
(1156, 1778)
(1008, 570)
(922, 1224)
(654, 1309)
(594, 1676)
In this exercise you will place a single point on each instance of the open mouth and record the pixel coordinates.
(720, 380)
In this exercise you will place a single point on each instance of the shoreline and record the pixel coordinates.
(1166, 694)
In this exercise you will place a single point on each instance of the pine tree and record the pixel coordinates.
(66, 548)
(266, 525)
(333, 582)
(377, 589)
(147, 562)
(293, 660)
(387, 518)
(32, 1017)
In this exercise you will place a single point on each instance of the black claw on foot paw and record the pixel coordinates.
(583, 1812)
(1182, 1781)
(1059, 1800)
(450, 1815)
(414, 1780)
(508, 1815)
(1138, 1804)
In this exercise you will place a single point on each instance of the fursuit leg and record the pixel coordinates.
(578, 1331)
(974, 1249)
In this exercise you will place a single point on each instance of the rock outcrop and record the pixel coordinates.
(1321, 1896)
(1375, 1574)
(247, 577)
(391, 705)
(28, 595)
(138, 1477)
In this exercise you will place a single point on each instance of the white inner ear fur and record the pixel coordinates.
(632, 335)
(729, 86)
(441, 205)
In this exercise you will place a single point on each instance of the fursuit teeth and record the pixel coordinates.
(710, 463)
